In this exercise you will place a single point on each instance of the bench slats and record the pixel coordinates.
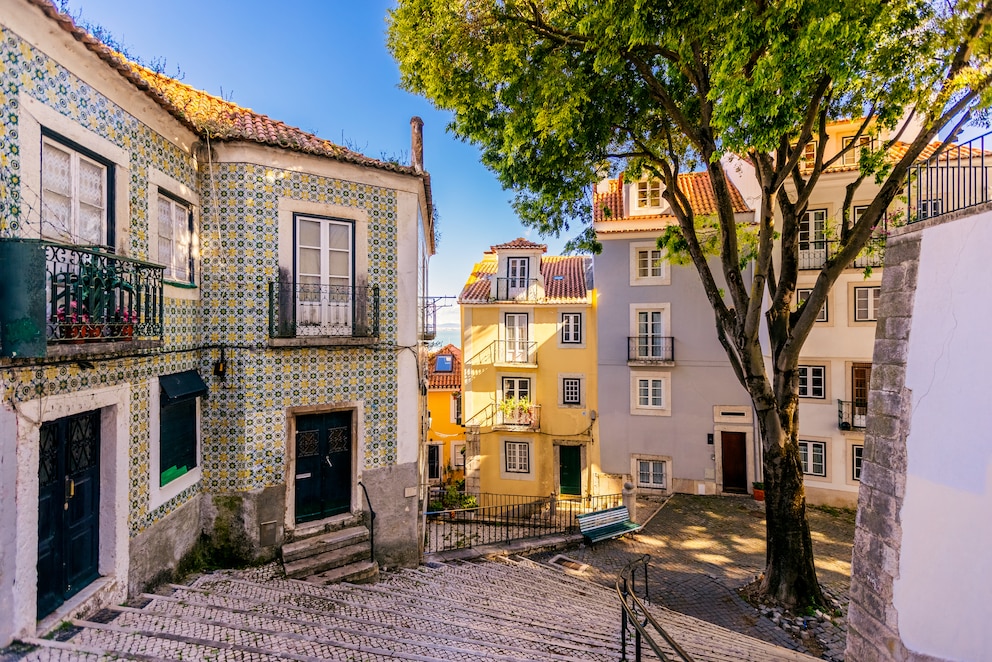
(605, 524)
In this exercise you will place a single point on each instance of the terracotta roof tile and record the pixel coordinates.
(608, 206)
(477, 288)
(519, 243)
(567, 279)
(445, 380)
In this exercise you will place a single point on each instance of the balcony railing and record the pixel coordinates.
(650, 348)
(429, 312)
(517, 289)
(528, 417)
(814, 254)
(852, 415)
(516, 351)
(302, 310)
(957, 177)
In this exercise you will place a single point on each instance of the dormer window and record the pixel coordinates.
(851, 158)
(808, 159)
(649, 193)
(444, 363)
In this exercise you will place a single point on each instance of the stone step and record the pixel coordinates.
(321, 626)
(323, 542)
(336, 523)
(334, 558)
(450, 626)
(49, 650)
(360, 572)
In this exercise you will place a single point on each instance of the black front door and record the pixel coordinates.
(323, 465)
(570, 470)
(68, 508)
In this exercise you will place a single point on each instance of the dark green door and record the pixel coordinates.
(323, 465)
(570, 470)
(68, 508)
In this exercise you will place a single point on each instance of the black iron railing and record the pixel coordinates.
(852, 415)
(517, 289)
(501, 518)
(814, 254)
(956, 177)
(634, 616)
(429, 318)
(516, 351)
(299, 310)
(650, 348)
(96, 296)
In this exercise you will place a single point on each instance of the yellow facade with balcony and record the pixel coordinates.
(444, 457)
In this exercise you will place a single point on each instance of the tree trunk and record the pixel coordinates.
(790, 575)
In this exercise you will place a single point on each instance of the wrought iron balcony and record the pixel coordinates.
(429, 319)
(956, 176)
(814, 254)
(302, 310)
(510, 416)
(517, 289)
(516, 351)
(852, 415)
(650, 348)
(58, 294)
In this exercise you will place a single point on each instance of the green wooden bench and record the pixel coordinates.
(606, 524)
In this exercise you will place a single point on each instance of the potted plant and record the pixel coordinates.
(516, 411)
(759, 490)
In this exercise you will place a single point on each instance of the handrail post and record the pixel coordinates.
(623, 624)
(371, 523)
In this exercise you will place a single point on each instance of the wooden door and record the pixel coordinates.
(570, 470)
(323, 465)
(733, 447)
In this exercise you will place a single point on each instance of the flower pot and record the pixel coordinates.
(759, 495)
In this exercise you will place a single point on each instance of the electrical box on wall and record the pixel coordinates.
(709, 439)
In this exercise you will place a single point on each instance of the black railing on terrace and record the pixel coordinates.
(516, 351)
(96, 296)
(516, 289)
(301, 310)
(634, 616)
(956, 177)
(650, 348)
(501, 518)
(429, 311)
(852, 415)
(814, 254)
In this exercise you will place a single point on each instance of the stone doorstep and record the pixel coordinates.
(324, 542)
(360, 572)
(334, 523)
(335, 558)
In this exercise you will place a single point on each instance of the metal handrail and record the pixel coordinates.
(631, 606)
(371, 523)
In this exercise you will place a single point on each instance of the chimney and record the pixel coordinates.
(417, 143)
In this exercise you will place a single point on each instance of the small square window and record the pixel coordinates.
(812, 381)
(866, 300)
(444, 363)
(813, 455)
(857, 454)
(651, 473)
(650, 393)
(571, 328)
(571, 391)
(649, 193)
(802, 294)
(517, 456)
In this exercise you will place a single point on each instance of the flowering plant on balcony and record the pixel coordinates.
(515, 410)
(72, 314)
(122, 326)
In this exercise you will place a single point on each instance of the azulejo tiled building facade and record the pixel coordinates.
(210, 331)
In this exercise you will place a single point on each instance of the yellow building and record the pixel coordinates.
(529, 344)
(445, 456)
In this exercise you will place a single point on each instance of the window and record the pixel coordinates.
(516, 387)
(929, 209)
(175, 238)
(812, 231)
(324, 276)
(812, 381)
(649, 263)
(456, 408)
(649, 193)
(178, 425)
(650, 473)
(517, 454)
(802, 294)
(866, 303)
(571, 391)
(651, 341)
(808, 159)
(857, 454)
(75, 194)
(457, 455)
(434, 462)
(444, 363)
(650, 393)
(852, 157)
(571, 328)
(517, 348)
(813, 455)
(517, 269)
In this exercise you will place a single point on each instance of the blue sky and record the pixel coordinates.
(322, 65)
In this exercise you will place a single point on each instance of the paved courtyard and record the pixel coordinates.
(705, 548)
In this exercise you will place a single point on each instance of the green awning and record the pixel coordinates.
(182, 386)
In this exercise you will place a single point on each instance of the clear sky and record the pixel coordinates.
(322, 66)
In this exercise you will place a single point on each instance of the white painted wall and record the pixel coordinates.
(945, 572)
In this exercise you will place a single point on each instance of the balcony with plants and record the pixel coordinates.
(517, 414)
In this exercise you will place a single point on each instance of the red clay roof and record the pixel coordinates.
(567, 279)
(205, 114)
(445, 380)
(608, 206)
(519, 243)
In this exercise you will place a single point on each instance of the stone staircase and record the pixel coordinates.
(506, 611)
(336, 553)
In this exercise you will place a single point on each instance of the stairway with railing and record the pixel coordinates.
(633, 615)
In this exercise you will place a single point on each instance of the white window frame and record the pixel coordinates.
(659, 273)
(802, 294)
(159, 494)
(166, 231)
(516, 350)
(517, 274)
(516, 457)
(455, 410)
(807, 374)
(457, 454)
(565, 384)
(813, 230)
(808, 159)
(871, 294)
(665, 317)
(808, 454)
(852, 157)
(663, 380)
(857, 461)
(648, 193)
(571, 329)
(68, 230)
(652, 465)
(324, 316)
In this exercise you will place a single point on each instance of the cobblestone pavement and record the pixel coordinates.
(705, 548)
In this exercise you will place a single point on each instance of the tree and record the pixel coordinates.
(558, 92)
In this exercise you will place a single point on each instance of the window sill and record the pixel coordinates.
(88, 349)
(324, 341)
(652, 362)
(180, 284)
(514, 364)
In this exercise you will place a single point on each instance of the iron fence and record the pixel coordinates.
(650, 348)
(955, 177)
(852, 415)
(502, 518)
(516, 351)
(298, 310)
(517, 289)
(814, 254)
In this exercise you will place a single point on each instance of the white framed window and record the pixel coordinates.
(516, 387)
(324, 276)
(813, 231)
(650, 393)
(175, 238)
(75, 194)
(812, 381)
(857, 456)
(456, 408)
(813, 455)
(458, 454)
(649, 193)
(516, 330)
(651, 474)
(808, 159)
(866, 301)
(571, 328)
(804, 293)
(852, 157)
(444, 363)
(571, 391)
(648, 265)
(517, 273)
(517, 456)
(650, 340)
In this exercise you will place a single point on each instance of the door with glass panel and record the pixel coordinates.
(518, 275)
(813, 239)
(517, 345)
(324, 277)
(650, 335)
